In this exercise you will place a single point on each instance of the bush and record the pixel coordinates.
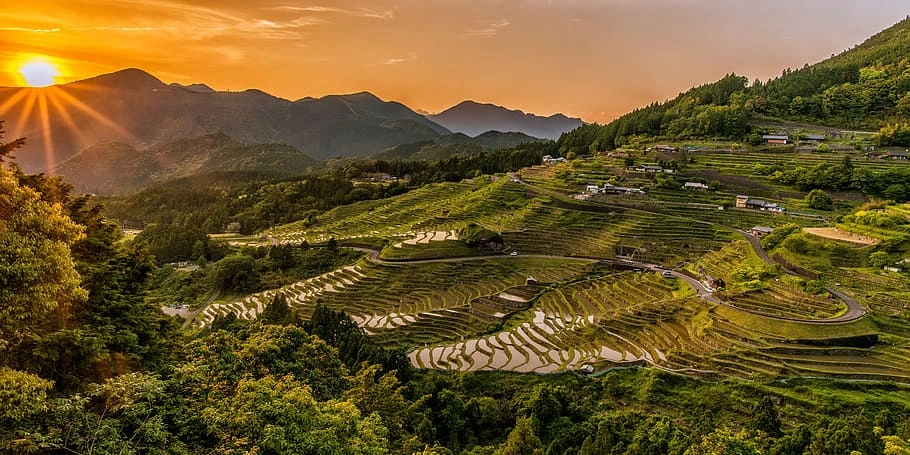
(819, 200)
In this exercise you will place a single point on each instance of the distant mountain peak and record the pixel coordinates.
(198, 88)
(474, 118)
(126, 79)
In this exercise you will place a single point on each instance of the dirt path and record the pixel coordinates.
(837, 234)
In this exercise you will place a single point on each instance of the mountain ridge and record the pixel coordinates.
(133, 107)
(474, 118)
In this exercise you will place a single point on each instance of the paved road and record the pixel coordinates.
(854, 309)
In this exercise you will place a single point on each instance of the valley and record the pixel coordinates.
(585, 284)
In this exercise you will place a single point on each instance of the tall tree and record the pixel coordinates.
(38, 279)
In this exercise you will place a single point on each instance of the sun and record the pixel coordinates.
(39, 72)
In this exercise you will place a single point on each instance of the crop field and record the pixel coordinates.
(545, 303)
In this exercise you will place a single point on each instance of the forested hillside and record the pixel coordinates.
(867, 87)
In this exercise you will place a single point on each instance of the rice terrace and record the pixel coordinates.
(548, 270)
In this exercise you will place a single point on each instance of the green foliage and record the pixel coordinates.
(765, 418)
(521, 440)
(38, 277)
(819, 200)
(894, 134)
(772, 240)
(353, 345)
(710, 110)
(880, 259)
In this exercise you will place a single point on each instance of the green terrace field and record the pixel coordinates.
(425, 224)
(413, 304)
(547, 302)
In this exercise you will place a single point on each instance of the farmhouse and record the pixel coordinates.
(695, 186)
(608, 188)
(760, 231)
(647, 168)
(776, 139)
(593, 189)
(746, 202)
(665, 148)
(891, 268)
(896, 155)
(548, 159)
(815, 137)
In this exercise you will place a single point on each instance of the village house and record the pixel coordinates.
(695, 186)
(815, 137)
(593, 189)
(651, 169)
(776, 139)
(608, 188)
(746, 202)
(760, 231)
(665, 148)
(896, 155)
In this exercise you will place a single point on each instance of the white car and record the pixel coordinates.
(514, 253)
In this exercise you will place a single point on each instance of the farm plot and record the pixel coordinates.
(775, 298)
(618, 319)
(413, 304)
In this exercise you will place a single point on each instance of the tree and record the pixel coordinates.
(38, 275)
(278, 311)
(522, 440)
(819, 200)
(22, 397)
(765, 418)
(880, 259)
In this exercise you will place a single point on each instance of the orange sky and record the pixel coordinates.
(589, 58)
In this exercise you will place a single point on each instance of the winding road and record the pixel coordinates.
(854, 309)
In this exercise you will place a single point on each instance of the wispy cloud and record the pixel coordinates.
(29, 30)
(356, 12)
(488, 29)
(394, 61)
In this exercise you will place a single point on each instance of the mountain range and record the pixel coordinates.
(119, 168)
(134, 109)
(473, 118)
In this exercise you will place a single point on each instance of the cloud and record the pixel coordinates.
(29, 30)
(356, 12)
(488, 29)
(394, 61)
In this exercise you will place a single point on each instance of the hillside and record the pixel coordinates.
(117, 168)
(473, 118)
(457, 144)
(866, 87)
(134, 108)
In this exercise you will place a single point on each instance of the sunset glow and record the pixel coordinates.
(593, 59)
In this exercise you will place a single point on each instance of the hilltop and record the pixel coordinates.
(866, 87)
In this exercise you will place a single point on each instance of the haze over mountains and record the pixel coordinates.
(135, 109)
(473, 118)
(118, 168)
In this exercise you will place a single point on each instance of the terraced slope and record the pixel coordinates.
(463, 312)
